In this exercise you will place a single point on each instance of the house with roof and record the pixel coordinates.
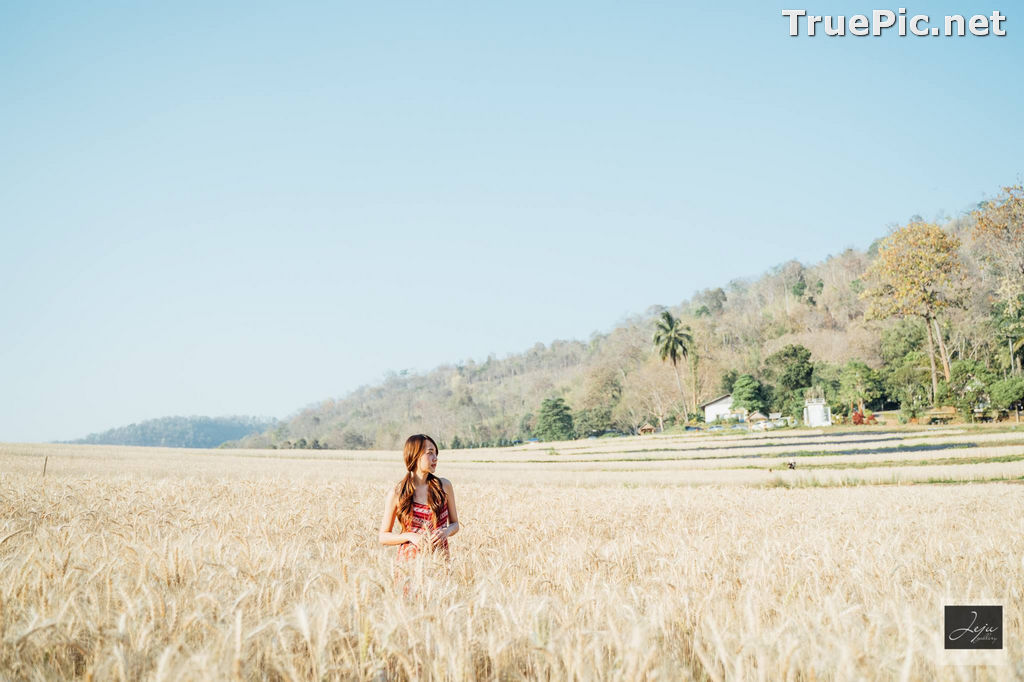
(721, 408)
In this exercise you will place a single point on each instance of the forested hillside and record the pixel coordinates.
(929, 315)
(181, 432)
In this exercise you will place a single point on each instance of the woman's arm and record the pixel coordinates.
(385, 535)
(453, 526)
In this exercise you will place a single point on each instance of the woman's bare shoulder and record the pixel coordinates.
(446, 483)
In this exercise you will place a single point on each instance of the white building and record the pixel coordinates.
(719, 408)
(817, 412)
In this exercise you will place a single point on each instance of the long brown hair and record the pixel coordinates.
(414, 447)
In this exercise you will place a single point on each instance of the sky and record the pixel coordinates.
(246, 208)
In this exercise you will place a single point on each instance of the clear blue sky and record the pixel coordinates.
(247, 208)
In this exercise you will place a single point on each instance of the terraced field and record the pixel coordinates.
(697, 556)
(852, 457)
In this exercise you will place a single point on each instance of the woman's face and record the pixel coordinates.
(428, 458)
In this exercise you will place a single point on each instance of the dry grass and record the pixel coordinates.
(141, 564)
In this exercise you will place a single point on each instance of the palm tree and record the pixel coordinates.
(673, 341)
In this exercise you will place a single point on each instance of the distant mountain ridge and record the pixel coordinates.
(181, 432)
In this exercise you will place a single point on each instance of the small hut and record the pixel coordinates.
(646, 429)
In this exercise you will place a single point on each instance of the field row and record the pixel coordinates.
(851, 458)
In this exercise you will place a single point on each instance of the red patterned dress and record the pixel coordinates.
(423, 522)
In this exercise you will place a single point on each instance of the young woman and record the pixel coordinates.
(423, 504)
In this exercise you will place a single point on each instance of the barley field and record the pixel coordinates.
(686, 557)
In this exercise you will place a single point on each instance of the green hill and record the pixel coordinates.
(794, 329)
